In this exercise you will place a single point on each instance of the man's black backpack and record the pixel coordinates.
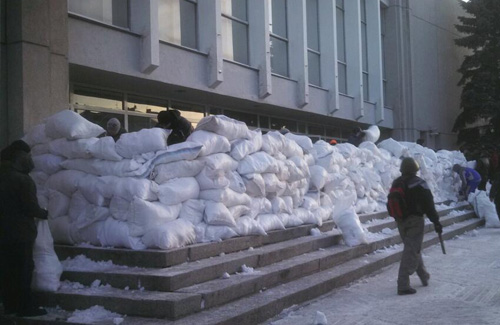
(396, 200)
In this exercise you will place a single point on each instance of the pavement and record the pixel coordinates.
(464, 288)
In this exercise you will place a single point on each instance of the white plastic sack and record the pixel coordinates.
(212, 179)
(48, 269)
(247, 226)
(119, 208)
(48, 163)
(99, 167)
(144, 216)
(212, 143)
(219, 161)
(319, 177)
(308, 217)
(177, 169)
(226, 196)
(352, 231)
(238, 211)
(62, 231)
(372, 134)
(114, 233)
(172, 234)
(216, 214)
(104, 148)
(258, 163)
(178, 190)
(255, 185)
(65, 181)
(145, 140)
(270, 222)
(302, 140)
(236, 182)
(192, 210)
(72, 149)
(58, 204)
(241, 148)
(223, 125)
(484, 208)
(37, 135)
(70, 125)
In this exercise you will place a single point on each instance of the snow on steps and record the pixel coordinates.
(198, 285)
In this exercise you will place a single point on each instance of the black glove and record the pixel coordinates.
(438, 227)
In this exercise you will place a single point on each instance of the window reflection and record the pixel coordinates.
(112, 12)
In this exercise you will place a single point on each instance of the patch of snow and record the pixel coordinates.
(93, 315)
(315, 232)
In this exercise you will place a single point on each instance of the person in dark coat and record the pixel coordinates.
(18, 210)
(420, 201)
(495, 192)
(483, 168)
(356, 136)
(180, 126)
(114, 129)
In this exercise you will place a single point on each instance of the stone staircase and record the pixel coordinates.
(187, 286)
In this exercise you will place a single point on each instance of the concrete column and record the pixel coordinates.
(210, 39)
(144, 21)
(374, 48)
(37, 64)
(352, 20)
(297, 50)
(398, 69)
(260, 51)
(328, 58)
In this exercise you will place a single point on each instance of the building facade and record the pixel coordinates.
(317, 67)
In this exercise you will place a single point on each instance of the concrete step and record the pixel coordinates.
(218, 291)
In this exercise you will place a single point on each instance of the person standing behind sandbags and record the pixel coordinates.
(180, 126)
(18, 210)
(114, 129)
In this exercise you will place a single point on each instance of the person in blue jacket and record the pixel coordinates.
(470, 179)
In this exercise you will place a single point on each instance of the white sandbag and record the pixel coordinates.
(65, 181)
(240, 148)
(259, 162)
(324, 213)
(70, 125)
(212, 179)
(273, 142)
(484, 208)
(172, 234)
(119, 208)
(394, 147)
(225, 126)
(255, 185)
(37, 135)
(176, 169)
(145, 140)
(291, 148)
(129, 188)
(144, 216)
(279, 205)
(219, 161)
(48, 269)
(270, 222)
(178, 190)
(40, 149)
(290, 220)
(308, 217)
(48, 163)
(226, 196)
(92, 188)
(319, 177)
(247, 226)
(218, 233)
(309, 203)
(302, 140)
(283, 173)
(192, 210)
(273, 184)
(115, 233)
(58, 204)
(295, 173)
(238, 211)
(104, 148)
(83, 213)
(61, 230)
(186, 150)
(90, 234)
(99, 167)
(301, 164)
(342, 200)
(352, 231)
(321, 149)
(260, 205)
(39, 177)
(72, 149)
(216, 214)
(212, 143)
(236, 182)
(372, 134)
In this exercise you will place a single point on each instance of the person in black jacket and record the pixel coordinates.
(495, 193)
(18, 210)
(356, 137)
(180, 126)
(114, 129)
(419, 201)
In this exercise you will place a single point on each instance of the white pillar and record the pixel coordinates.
(298, 49)
(353, 49)
(374, 48)
(144, 21)
(260, 51)
(328, 59)
(210, 39)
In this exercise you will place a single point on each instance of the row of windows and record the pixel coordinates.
(138, 112)
(178, 24)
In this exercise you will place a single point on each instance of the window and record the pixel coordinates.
(112, 12)
(383, 27)
(364, 51)
(235, 30)
(278, 123)
(251, 120)
(341, 55)
(313, 50)
(178, 22)
(279, 37)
